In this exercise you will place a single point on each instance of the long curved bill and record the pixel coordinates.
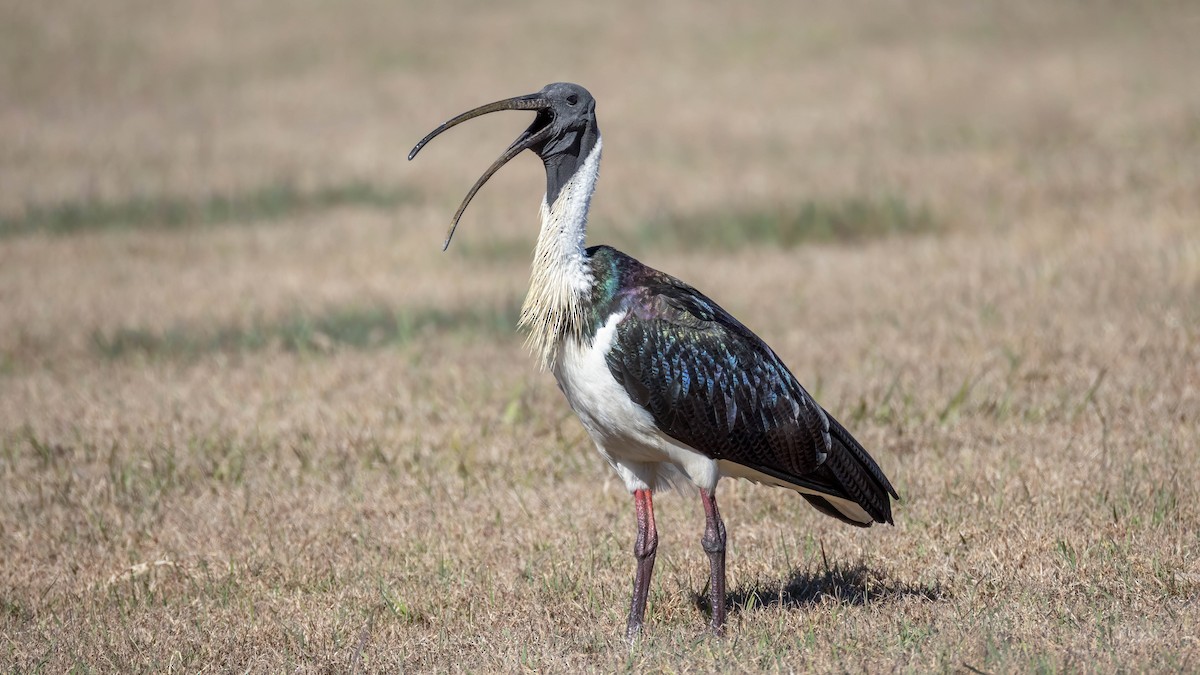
(528, 138)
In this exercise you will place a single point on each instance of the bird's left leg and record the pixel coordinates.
(714, 545)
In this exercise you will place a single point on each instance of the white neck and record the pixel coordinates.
(561, 277)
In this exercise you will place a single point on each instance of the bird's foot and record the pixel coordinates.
(633, 630)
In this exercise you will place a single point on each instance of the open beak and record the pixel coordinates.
(537, 133)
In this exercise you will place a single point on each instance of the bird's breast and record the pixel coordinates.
(601, 402)
(623, 430)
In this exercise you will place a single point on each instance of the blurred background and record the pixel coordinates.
(241, 386)
(280, 130)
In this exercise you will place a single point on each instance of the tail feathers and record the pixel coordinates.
(856, 475)
(848, 485)
(824, 506)
(866, 462)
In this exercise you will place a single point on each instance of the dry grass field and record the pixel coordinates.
(252, 420)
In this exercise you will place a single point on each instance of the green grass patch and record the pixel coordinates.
(363, 328)
(786, 225)
(849, 220)
(269, 202)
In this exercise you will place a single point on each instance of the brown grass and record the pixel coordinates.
(316, 451)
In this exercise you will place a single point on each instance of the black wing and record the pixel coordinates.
(711, 383)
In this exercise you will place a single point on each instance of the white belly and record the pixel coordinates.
(624, 431)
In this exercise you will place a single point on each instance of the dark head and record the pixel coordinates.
(563, 134)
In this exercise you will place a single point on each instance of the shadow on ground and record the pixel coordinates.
(851, 586)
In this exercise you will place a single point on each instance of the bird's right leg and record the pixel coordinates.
(643, 552)
(713, 542)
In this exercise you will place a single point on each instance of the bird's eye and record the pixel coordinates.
(572, 99)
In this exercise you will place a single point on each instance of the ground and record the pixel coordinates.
(252, 419)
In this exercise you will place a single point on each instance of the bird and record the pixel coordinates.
(673, 390)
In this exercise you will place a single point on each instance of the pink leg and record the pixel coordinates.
(714, 544)
(643, 551)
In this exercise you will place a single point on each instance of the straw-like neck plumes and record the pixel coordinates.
(559, 286)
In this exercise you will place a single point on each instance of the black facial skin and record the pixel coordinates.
(563, 134)
(573, 118)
